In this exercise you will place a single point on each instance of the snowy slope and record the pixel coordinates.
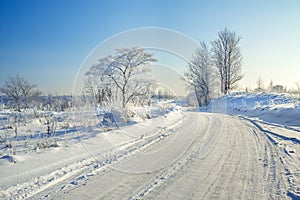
(277, 108)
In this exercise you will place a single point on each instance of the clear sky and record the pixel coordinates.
(47, 41)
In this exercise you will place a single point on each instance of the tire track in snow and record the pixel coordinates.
(236, 166)
(71, 175)
(272, 183)
(288, 171)
(247, 168)
(98, 165)
(235, 161)
(200, 148)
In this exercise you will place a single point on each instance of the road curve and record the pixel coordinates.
(205, 156)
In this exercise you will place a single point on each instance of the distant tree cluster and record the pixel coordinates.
(260, 88)
(56, 103)
(20, 91)
(163, 93)
(216, 63)
(20, 94)
(121, 78)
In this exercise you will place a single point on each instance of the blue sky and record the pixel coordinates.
(47, 41)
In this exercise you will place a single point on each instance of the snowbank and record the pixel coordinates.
(282, 109)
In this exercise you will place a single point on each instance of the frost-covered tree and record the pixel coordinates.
(20, 91)
(260, 85)
(200, 74)
(298, 87)
(228, 59)
(121, 77)
(279, 89)
(97, 84)
(270, 87)
(128, 70)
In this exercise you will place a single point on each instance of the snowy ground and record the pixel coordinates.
(182, 154)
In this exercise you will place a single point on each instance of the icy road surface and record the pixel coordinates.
(196, 156)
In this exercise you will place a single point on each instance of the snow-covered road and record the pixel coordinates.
(197, 156)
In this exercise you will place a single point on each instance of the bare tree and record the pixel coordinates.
(97, 84)
(228, 59)
(270, 87)
(21, 91)
(127, 70)
(298, 87)
(122, 76)
(260, 85)
(200, 74)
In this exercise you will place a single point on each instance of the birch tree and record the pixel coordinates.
(228, 59)
(200, 74)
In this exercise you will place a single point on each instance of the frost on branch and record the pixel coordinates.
(121, 79)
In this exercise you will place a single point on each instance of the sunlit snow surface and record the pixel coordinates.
(179, 153)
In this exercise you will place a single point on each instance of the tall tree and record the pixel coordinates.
(200, 74)
(228, 59)
(127, 69)
(126, 73)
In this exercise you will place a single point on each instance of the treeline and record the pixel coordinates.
(272, 87)
(57, 103)
(20, 94)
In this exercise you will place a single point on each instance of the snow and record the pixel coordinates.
(275, 115)
(275, 108)
(242, 146)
